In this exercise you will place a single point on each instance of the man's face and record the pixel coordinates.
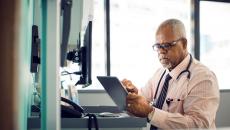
(176, 50)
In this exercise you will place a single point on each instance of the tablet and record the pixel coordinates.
(116, 91)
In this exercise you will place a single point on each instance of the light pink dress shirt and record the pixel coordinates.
(195, 100)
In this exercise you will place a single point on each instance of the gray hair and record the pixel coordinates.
(177, 26)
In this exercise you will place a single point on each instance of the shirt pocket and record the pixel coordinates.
(175, 104)
(176, 96)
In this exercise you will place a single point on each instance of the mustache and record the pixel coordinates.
(163, 57)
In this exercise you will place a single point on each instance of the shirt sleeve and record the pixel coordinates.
(147, 91)
(199, 107)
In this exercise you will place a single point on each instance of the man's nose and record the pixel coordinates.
(162, 50)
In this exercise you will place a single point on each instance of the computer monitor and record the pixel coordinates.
(35, 45)
(83, 56)
(86, 62)
(66, 21)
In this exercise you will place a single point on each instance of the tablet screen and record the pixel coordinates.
(116, 91)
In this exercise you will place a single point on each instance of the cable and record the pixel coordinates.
(92, 117)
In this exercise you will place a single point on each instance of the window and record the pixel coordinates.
(133, 25)
(98, 47)
(132, 28)
(215, 40)
(98, 44)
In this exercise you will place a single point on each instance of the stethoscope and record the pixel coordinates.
(184, 71)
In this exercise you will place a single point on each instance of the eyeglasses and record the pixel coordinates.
(166, 45)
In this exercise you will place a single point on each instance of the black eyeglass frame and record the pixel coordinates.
(166, 45)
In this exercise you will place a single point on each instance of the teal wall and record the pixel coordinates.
(25, 77)
(32, 12)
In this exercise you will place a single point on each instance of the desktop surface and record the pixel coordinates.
(121, 121)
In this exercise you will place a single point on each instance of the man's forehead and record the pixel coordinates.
(164, 37)
(165, 32)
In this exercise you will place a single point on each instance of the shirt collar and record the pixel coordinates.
(179, 68)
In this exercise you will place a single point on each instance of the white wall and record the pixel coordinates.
(93, 98)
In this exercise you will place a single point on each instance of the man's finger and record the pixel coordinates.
(130, 102)
(126, 82)
(132, 96)
(131, 90)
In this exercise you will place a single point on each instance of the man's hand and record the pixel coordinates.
(138, 105)
(129, 86)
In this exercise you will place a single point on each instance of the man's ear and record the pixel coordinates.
(185, 42)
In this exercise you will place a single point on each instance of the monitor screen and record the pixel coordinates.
(66, 6)
(83, 56)
(86, 57)
(35, 44)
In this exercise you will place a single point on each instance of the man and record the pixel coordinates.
(184, 93)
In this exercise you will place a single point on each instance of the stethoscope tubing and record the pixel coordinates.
(184, 71)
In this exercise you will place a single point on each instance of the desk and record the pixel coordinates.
(105, 123)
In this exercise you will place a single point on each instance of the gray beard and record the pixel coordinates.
(168, 66)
